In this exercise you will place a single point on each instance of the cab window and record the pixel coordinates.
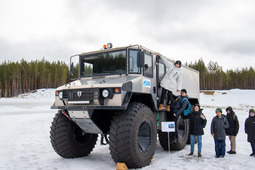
(147, 68)
(133, 62)
(161, 71)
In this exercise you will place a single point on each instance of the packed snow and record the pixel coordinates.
(24, 139)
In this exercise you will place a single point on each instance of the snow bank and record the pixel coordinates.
(37, 99)
(24, 139)
(238, 99)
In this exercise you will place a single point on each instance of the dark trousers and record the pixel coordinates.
(253, 147)
(163, 94)
(102, 138)
(220, 147)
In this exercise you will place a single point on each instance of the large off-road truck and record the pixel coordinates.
(117, 93)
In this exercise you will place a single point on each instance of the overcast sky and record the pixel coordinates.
(216, 30)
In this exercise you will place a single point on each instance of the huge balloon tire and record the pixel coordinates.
(69, 140)
(133, 135)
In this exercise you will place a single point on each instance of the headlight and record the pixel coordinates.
(60, 95)
(105, 93)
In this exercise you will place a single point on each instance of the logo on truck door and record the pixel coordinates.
(147, 83)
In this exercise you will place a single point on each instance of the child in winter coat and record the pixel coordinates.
(197, 123)
(232, 130)
(218, 126)
(250, 130)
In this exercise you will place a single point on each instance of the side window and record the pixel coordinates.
(161, 71)
(148, 69)
(133, 62)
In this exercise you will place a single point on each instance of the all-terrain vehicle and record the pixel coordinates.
(117, 93)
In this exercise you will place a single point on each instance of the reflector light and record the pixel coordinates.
(117, 90)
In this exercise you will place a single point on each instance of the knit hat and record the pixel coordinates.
(251, 110)
(197, 106)
(184, 90)
(178, 62)
(218, 110)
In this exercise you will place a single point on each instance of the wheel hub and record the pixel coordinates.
(144, 136)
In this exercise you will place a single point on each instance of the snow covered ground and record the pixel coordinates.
(25, 124)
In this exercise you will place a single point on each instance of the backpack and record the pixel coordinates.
(188, 108)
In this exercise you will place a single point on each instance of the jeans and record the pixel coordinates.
(193, 140)
(220, 147)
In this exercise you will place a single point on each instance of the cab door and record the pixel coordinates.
(160, 72)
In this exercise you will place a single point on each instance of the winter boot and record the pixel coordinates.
(191, 153)
(229, 151)
(160, 107)
(232, 152)
(252, 154)
(199, 154)
(168, 108)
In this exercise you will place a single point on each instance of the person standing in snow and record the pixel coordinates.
(250, 130)
(171, 81)
(218, 126)
(197, 123)
(232, 130)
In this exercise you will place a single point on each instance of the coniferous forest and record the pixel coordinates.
(21, 77)
(212, 76)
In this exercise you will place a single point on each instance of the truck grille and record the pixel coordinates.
(81, 94)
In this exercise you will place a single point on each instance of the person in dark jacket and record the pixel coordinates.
(218, 126)
(197, 123)
(250, 130)
(180, 104)
(232, 130)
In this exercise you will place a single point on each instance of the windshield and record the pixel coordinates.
(103, 64)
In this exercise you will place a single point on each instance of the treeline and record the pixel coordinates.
(212, 76)
(23, 76)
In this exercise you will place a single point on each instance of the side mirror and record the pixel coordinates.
(140, 59)
(71, 69)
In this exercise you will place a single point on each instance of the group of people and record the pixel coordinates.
(221, 125)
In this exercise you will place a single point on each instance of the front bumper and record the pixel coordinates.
(82, 107)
